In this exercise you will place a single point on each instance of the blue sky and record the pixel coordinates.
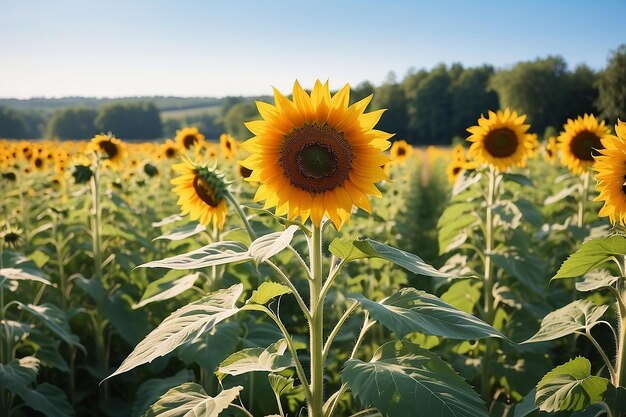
(215, 48)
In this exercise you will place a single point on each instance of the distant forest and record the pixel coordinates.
(425, 107)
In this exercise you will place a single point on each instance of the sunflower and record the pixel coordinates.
(454, 169)
(202, 192)
(109, 147)
(169, 150)
(228, 145)
(610, 167)
(551, 150)
(500, 140)
(189, 137)
(400, 151)
(11, 236)
(534, 144)
(458, 153)
(315, 155)
(580, 141)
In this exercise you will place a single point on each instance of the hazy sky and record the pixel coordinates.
(231, 47)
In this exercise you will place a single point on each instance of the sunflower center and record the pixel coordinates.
(11, 237)
(244, 172)
(456, 170)
(205, 191)
(109, 148)
(170, 152)
(401, 152)
(316, 158)
(501, 143)
(584, 145)
(189, 141)
(38, 162)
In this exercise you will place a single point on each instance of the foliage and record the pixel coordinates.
(612, 86)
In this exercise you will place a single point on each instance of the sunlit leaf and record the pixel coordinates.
(595, 280)
(54, 319)
(182, 326)
(151, 390)
(577, 316)
(272, 359)
(269, 245)
(18, 373)
(167, 287)
(410, 310)
(183, 232)
(267, 291)
(190, 399)
(402, 378)
(570, 387)
(592, 254)
(219, 253)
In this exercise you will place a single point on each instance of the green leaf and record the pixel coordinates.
(19, 373)
(211, 348)
(592, 254)
(190, 399)
(182, 326)
(410, 310)
(151, 390)
(518, 178)
(54, 319)
(269, 245)
(577, 316)
(527, 405)
(280, 384)
(268, 291)
(412, 263)
(530, 212)
(48, 400)
(167, 287)
(596, 280)
(345, 249)
(219, 253)
(183, 232)
(463, 294)
(402, 379)
(615, 398)
(271, 359)
(570, 387)
(17, 267)
(527, 268)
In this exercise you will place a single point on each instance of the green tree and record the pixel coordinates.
(236, 116)
(11, 125)
(391, 96)
(140, 120)
(361, 91)
(73, 123)
(612, 87)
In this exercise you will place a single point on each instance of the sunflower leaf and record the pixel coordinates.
(274, 358)
(269, 245)
(219, 253)
(402, 378)
(592, 254)
(190, 399)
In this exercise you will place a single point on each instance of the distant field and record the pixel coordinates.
(182, 113)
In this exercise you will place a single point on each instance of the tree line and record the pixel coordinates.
(425, 107)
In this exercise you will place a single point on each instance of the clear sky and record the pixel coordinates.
(242, 47)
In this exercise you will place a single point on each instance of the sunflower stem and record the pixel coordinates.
(583, 198)
(316, 326)
(241, 214)
(620, 362)
(489, 281)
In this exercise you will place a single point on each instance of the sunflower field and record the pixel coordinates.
(321, 268)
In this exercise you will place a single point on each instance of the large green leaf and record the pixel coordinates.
(17, 267)
(219, 253)
(412, 263)
(211, 348)
(527, 268)
(570, 387)
(54, 319)
(596, 280)
(403, 379)
(167, 287)
(267, 291)
(18, 373)
(269, 245)
(345, 249)
(48, 400)
(592, 254)
(151, 390)
(410, 310)
(272, 359)
(182, 326)
(190, 400)
(577, 316)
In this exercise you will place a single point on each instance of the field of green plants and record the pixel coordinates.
(322, 268)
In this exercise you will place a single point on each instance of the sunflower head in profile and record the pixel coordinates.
(228, 146)
(189, 137)
(315, 155)
(169, 150)
(610, 168)
(580, 141)
(500, 140)
(108, 147)
(551, 150)
(201, 192)
(400, 151)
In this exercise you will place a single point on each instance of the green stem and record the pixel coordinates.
(285, 280)
(242, 214)
(605, 358)
(316, 326)
(620, 363)
(488, 283)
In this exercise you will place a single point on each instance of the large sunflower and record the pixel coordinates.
(109, 147)
(580, 141)
(315, 155)
(400, 151)
(500, 140)
(610, 167)
(189, 137)
(202, 193)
